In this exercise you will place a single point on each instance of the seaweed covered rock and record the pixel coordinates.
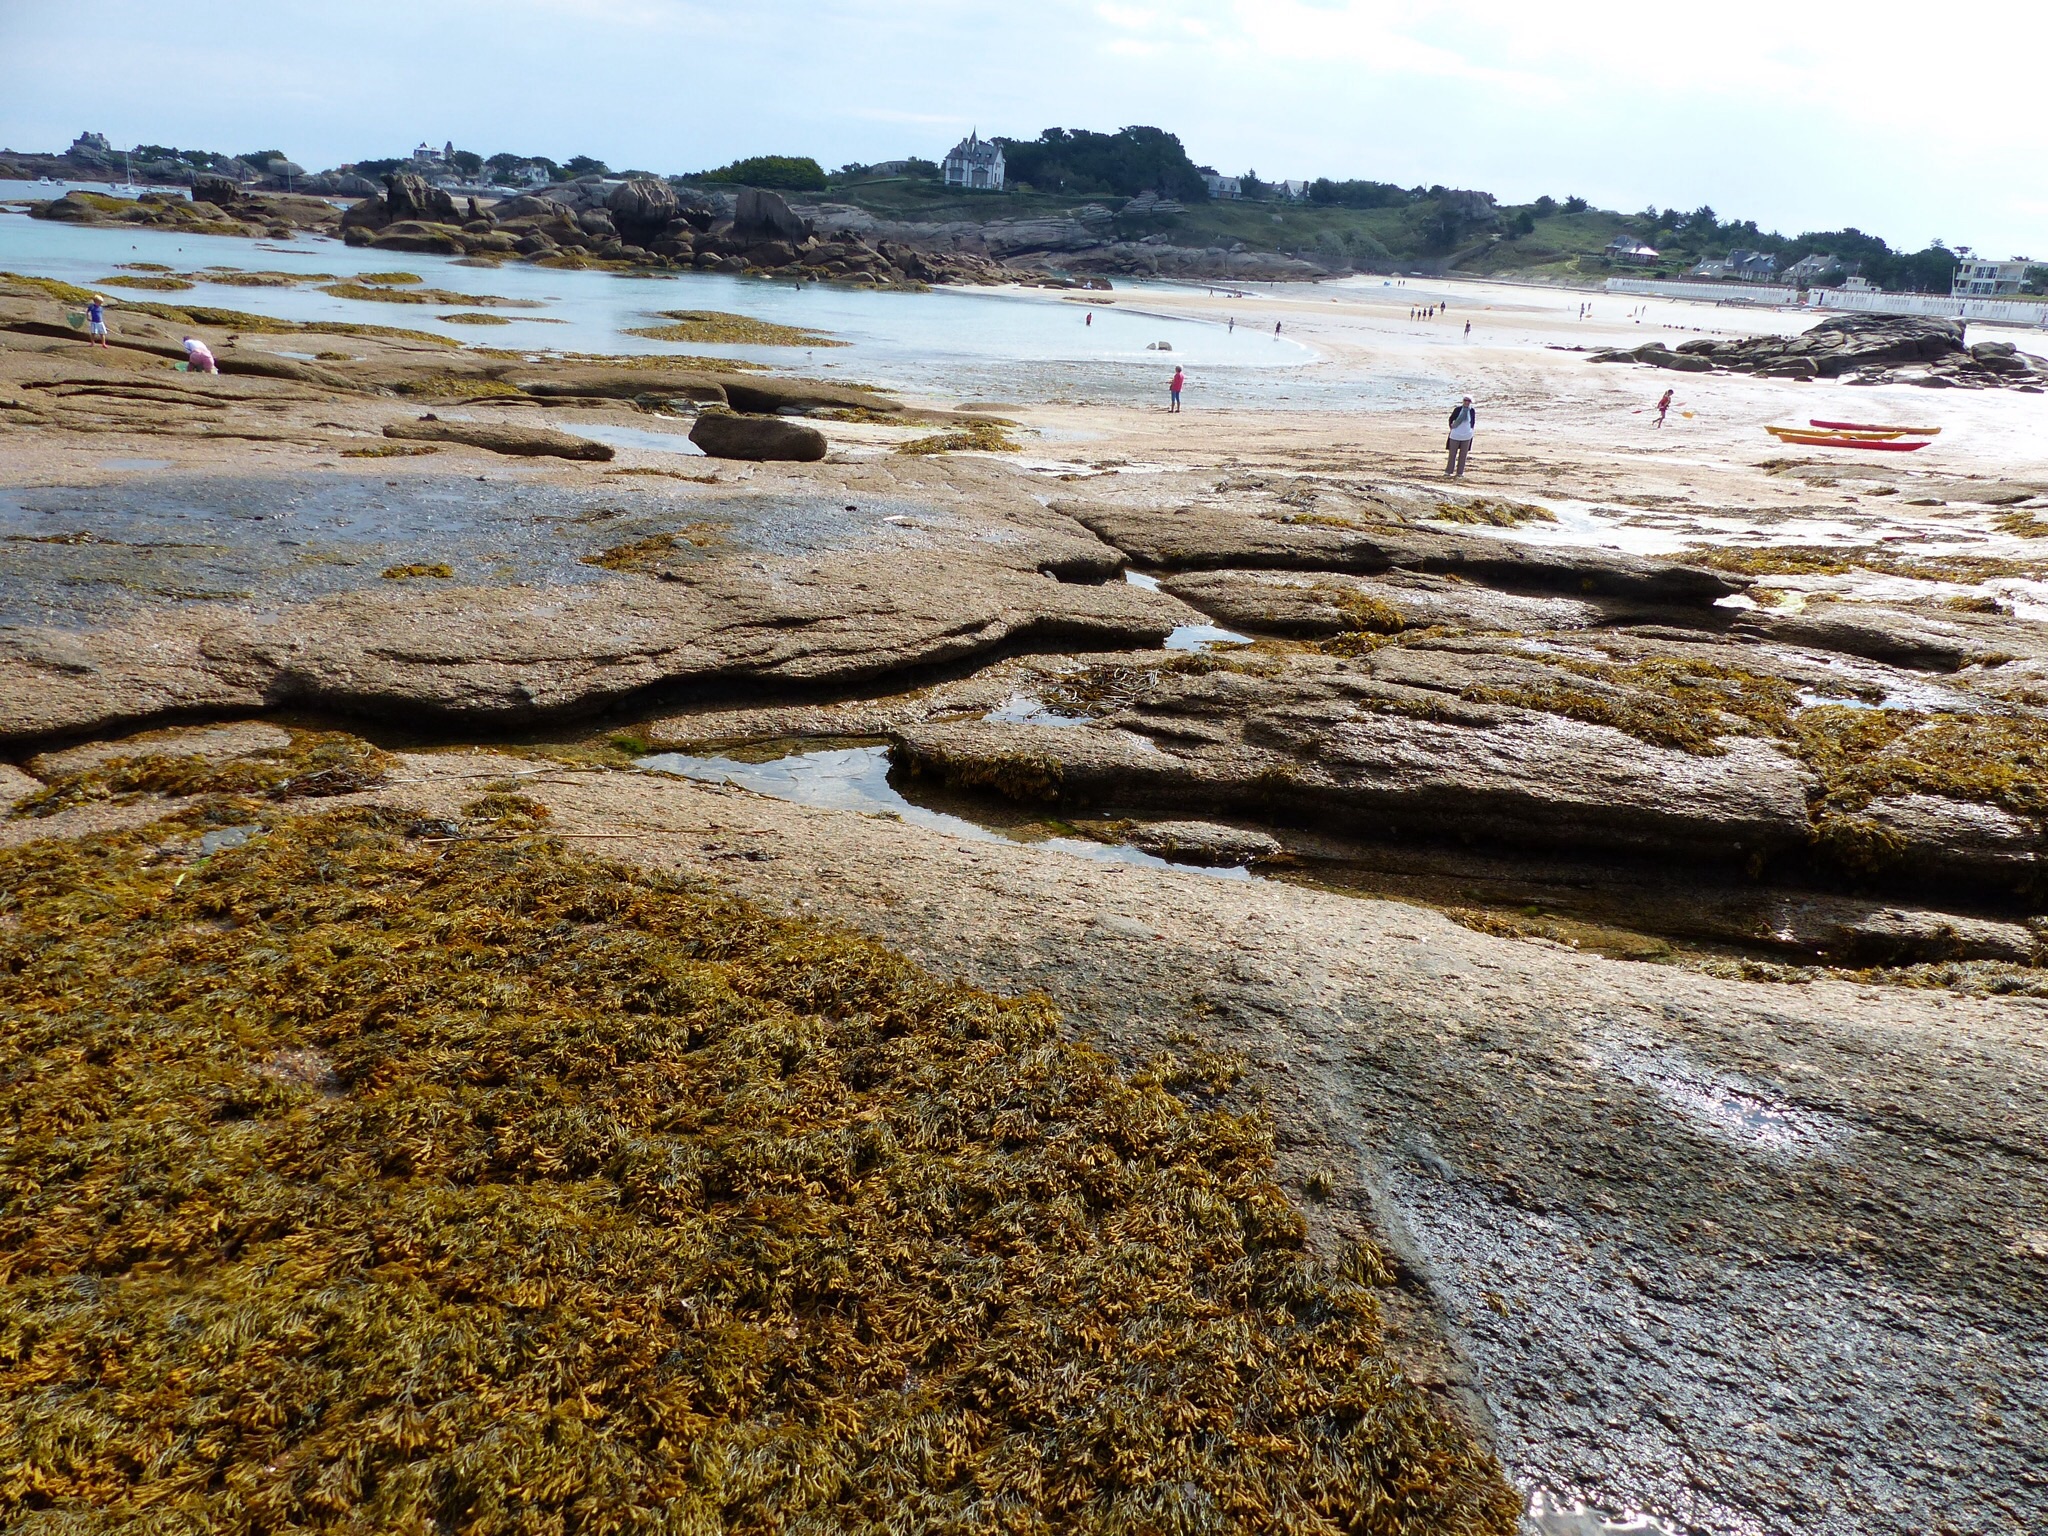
(407, 1166)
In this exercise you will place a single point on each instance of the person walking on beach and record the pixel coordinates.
(1173, 389)
(1464, 427)
(1091, 318)
(1468, 330)
(96, 320)
(199, 357)
(1663, 406)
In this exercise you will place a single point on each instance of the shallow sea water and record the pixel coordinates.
(856, 778)
(975, 343)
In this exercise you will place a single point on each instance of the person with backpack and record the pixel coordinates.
(1464, 427)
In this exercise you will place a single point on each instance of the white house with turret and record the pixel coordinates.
(975, 163)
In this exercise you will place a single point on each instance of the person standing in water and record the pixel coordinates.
(1663, 406)
(1464, 427)
(1173, 389)
(96, 320)
(1276, 327)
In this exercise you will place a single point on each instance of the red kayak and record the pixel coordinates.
(1830, 440)
(1857, 426)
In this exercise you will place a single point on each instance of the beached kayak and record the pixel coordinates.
(1866, 436)
(1837, 440)
(1855, 426)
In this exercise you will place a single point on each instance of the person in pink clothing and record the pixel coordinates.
(199, 357)
(1173, 389)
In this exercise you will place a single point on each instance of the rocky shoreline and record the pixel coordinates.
(1860, 349)
(1646, 954)
(644, 223)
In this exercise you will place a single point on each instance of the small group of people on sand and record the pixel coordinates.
(199, 356)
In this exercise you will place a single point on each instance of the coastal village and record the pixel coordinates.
(1029, 838)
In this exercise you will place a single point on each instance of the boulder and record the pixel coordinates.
(518, 442)
(762, 215)
(642, 208)
(218, 190)
(597, 223)
(68, 209)
(723, 435)
(410, 197)
(420, 238)
(531, 205)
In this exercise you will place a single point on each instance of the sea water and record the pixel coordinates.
(1002, 344)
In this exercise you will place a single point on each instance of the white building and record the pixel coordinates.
(975, 163)
(1222, 188)
(1977, 277)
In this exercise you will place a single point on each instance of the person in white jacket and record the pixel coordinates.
(1464, 427)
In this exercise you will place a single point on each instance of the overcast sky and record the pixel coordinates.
(1800, 117)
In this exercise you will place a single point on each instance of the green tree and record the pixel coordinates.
(583, 165)
(778, 173)
(1123, 164)
(2036, 280)
(466, 163)
(1576, 205)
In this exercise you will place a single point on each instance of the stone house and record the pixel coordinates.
(976, 164)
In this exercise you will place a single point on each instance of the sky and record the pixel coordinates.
(1806, 118)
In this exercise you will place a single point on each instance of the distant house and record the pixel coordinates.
(1753, 266)
(1977, 277)
(89, 144)
(1632, 252)
(1739, 266)
(1222, 188)
(426, 154)
(529, 174)
(1806, 269)
(1293, 191)
(976, 164)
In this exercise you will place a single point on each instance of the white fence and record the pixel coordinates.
(2002, 311)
